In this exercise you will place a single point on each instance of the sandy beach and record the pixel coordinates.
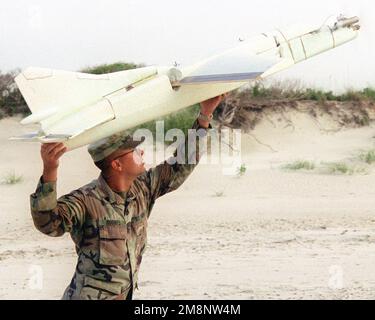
(270, 234)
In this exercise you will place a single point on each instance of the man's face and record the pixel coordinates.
(130, 162)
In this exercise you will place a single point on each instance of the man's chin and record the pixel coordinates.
(142, 169)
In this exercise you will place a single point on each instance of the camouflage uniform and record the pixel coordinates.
(109, 230)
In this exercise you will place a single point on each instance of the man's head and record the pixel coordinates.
(118, 154)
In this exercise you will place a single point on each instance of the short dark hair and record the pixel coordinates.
(102, 164)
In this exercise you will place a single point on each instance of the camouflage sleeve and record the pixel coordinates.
(55, 217)
(167, 177)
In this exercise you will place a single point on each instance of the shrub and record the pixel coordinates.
(293, 90)
(368, 156)
(11, 100)
(300, 165)
(344, 168)
(11, 178)
(109, 68)
(183, 120)
(241, 170)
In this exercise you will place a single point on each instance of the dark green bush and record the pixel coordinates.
(278, 91)
(109, 68)
(11, 100)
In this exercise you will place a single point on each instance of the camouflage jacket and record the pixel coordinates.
(109, 231)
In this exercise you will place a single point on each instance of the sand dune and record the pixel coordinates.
(271, 234)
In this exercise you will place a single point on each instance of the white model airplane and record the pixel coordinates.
(78, 108)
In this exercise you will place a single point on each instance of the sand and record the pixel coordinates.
(272, 234)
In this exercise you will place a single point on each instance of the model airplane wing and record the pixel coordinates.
(233, 66)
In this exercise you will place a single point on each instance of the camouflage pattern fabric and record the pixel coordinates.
(103, 148)
(109, 231)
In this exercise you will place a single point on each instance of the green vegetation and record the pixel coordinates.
(340, 167)
(344, 168)
(299, 165)
(368, 156)
(293, 90)
(369, 93)
(11, 179)
(179, 120)
(11, 100)
(241, 170)
(109, 68)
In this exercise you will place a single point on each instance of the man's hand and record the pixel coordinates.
(51, 153)
(208, 107)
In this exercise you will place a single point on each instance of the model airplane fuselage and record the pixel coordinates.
(79, 108)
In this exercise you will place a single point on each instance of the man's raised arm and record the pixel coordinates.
(167, 177)
(51, 216)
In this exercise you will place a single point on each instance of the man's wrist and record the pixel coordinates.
(49, 175)
(205, 117)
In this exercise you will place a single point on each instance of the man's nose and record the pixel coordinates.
(142, 152)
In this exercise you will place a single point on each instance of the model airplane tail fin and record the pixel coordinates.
(46, 89)
(68, 103)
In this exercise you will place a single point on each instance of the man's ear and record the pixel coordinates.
(115, 165)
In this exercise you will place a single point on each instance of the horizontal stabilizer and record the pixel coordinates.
(38, 116)
(27, 137)
(81, 121)
(54, 138)
(37, 137)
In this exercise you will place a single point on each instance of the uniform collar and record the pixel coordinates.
(112, 196)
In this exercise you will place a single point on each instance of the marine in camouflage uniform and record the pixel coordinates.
(109, 228)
